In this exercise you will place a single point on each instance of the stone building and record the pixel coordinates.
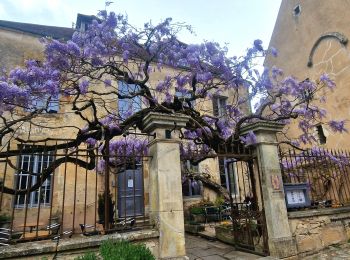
(312, 38)
(70, 186)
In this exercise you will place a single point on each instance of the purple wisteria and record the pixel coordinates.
(112, 74)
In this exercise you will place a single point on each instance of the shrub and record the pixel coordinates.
(123, 250)
(4, 218)
(197, 210)
(219, 201)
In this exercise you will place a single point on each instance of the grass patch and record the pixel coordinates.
(120, 250)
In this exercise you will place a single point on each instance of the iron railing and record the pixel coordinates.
(326, 173)
(87, 193)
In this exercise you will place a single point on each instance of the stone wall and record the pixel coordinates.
(294, 37)
(314, 230)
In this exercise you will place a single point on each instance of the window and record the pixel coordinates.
(31, 166)
(297, 10)
(320, 134)
(190, 186)
(187, 95)
(219, 106)
(128, 105)
(226, 170)
(40, 102)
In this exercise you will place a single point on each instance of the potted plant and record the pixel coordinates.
(224, 232)
(197, 214)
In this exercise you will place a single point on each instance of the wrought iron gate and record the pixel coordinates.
(246, 204)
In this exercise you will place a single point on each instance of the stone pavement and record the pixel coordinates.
(333, 253)
(198, 248)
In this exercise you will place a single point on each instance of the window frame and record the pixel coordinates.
(134, 103)
(189, 180)
(179, 94)
(226, 174)
(53, 105)
(219, 109)
(321, 137)
(34, 161)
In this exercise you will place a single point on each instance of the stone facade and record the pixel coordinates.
(311, 38)
(16, 47)
(314, 230)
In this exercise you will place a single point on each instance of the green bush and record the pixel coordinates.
(219, 201)
(197, 210)
(4, 218)
(123, 250)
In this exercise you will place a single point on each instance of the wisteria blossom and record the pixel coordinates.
(112, 75)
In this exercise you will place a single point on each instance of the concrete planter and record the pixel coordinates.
(194, 228)
(225, 234)
(198, 218)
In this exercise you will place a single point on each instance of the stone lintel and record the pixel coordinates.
(263, 126)
(155, 120)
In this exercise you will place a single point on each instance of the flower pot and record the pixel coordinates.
(225, 234)
(198, 218)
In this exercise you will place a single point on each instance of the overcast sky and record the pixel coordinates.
(237, 22)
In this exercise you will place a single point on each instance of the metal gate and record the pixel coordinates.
(246, 204)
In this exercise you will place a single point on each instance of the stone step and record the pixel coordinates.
(207, 235)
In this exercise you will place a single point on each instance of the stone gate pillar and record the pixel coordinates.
(165, 189)
(280, 240)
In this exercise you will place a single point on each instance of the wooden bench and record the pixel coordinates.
(32, 226)
(50, 231)
(32, 235)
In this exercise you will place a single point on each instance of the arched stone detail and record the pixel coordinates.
(337, 35)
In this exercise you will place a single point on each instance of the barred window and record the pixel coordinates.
(30, 168)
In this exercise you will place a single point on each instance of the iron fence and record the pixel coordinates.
(47, 189)
(326, 173)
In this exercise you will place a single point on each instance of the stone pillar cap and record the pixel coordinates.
(154, 120)
(266, 126)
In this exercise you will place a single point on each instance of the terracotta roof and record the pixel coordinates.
(40, 30)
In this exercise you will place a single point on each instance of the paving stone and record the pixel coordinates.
(237, 255)
(192, 257)
(213, 257)
(334, 253)
(201, 249)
